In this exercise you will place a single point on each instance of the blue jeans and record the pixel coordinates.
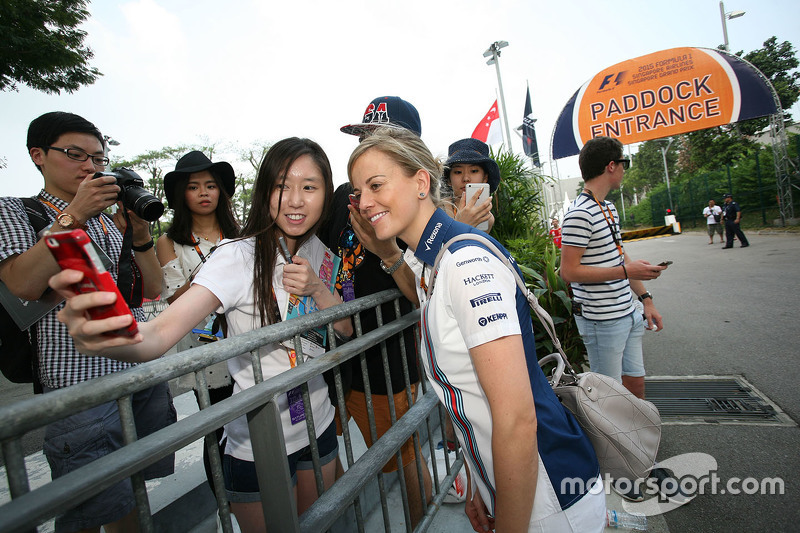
(614, 346)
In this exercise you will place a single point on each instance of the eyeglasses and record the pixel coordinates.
(626, 163)
(76, 154)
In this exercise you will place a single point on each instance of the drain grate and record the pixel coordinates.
(712, 400)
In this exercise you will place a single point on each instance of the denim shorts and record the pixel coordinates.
(76, 441)
(614, 346)
(241, 481)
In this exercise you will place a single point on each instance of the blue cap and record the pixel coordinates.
(387, 111)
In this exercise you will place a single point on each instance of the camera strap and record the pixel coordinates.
(129, 277)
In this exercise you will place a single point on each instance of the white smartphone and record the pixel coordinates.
(483, 190)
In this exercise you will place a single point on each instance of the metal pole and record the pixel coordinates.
(666, 172)
(724, 25)
(495, 52)
(502, 101)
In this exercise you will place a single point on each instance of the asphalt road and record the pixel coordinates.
(731, 312)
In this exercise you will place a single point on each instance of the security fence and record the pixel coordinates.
(29, 508)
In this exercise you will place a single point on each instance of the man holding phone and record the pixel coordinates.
(603, 278)
(68, 150)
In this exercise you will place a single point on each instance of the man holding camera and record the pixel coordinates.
(68, 150)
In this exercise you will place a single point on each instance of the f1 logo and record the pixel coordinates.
(617, 79)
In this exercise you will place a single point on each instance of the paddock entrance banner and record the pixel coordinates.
(661, 94)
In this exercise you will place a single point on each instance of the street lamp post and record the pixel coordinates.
(727, 16)
(664, 150)
(493, 53)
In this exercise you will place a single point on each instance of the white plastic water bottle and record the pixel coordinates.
(623, 520)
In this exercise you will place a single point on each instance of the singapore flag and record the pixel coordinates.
(488, 129)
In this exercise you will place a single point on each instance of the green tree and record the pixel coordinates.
(152, 164)
(726, 145)
(243, 198)
(647, 167)
(42, 47)
(778, 63)
(518, 200)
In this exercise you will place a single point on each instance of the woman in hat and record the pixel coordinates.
(199, 194)
(521, 446)
(468, 161)
(250, 280)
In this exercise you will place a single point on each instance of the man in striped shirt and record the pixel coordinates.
(603, 278)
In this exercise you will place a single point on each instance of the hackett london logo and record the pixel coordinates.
(485, 299)
(432, 238)
(479, 279)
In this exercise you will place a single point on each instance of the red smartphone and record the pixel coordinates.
(74, 250)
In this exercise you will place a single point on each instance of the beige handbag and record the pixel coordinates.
(624, 430)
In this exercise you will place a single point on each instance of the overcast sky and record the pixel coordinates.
(243, 71)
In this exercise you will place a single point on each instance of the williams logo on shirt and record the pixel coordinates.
(485, 299)
(482, 321)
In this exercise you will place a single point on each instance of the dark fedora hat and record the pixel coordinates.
(472, 152)
(196, 161)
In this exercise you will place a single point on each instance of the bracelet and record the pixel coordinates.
(144, 247)
(625, 270)
(391, 270)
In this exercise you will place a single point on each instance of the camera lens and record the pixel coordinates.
(144, 204)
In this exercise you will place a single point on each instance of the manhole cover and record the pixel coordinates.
(712, 400)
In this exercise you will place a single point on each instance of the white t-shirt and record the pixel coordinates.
(707, 211)
(228, 274)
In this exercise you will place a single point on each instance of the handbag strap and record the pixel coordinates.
(544, 316)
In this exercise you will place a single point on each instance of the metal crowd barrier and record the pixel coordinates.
(29, 508)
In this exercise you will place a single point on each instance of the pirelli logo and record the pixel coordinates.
(485, 299)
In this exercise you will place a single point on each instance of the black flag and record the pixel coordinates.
(529, 134)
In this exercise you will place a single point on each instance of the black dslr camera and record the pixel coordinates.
(133, 195)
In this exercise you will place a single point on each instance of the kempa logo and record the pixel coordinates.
(485, 259)
(430, 239)
(692, 474)
(477, 280)
(485, 299)
(491, 318)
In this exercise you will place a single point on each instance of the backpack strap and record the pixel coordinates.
(37, 214)
(544, 316)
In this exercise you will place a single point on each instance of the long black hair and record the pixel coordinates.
(263, 228)
(180, 231)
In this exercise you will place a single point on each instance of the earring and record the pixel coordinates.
(422, 195)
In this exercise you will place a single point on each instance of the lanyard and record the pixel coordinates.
(611, 223)
(196, 244)
(58, 212)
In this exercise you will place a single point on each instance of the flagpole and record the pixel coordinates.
(494, 52)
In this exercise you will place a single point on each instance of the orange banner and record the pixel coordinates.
(661, 94)
(665, 93)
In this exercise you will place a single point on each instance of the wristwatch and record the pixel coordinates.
(391, 270)
(645, 295)
(66, 221)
